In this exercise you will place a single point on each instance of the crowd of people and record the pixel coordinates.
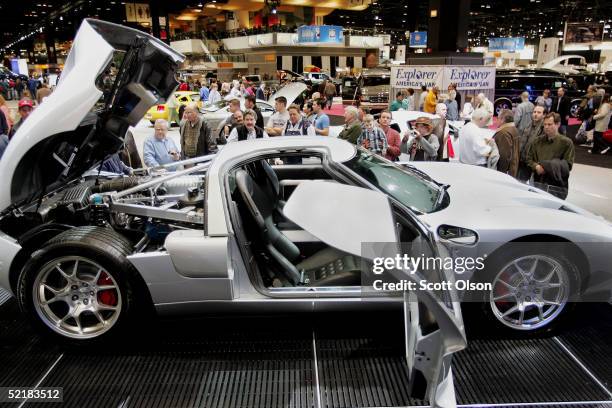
(428, 99)
(528, 144)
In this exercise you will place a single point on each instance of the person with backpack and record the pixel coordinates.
(248, 130)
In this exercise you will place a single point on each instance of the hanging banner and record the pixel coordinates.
(510, 44)
(469, 77)
(415, 77)
(418, 39)
(465, 77)
(320, 34)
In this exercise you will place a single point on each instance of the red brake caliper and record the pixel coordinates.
(501, 290)
(108, 296)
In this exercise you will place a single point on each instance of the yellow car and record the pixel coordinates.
(180, 98)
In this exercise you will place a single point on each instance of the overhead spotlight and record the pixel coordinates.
(273, 11)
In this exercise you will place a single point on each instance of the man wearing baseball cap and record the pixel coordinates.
(25, 107)
(420, 143)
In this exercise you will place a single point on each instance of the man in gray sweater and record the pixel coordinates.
(522, 115)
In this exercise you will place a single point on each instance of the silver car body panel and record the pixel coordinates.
(167, 285)
(197, 256)
(9, 248)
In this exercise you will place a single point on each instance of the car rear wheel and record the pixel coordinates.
(79, 288)
(531, 292)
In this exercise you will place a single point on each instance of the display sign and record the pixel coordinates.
(19, 66)
(137, 13)
(583, 32)
(385, 54)
(320, 34)
(465, 77)
(510, 44)
(418, 39)
(415, 77)
(548, 50)
(400, 54)
(469, 77)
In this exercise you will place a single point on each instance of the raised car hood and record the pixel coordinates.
(85, 119)
(481, 190)
(291, 91)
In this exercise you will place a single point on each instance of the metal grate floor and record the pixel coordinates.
(270, 362)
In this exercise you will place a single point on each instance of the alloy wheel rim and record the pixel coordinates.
(529, 292)
(574, 111)
(77, 297)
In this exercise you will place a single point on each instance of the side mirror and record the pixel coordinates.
(457, 235)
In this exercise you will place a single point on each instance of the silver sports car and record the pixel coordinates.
(86, 252)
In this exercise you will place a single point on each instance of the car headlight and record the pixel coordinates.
(457, 235)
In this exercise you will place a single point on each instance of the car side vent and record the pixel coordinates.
(564, 208)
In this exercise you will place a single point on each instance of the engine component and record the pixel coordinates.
(77, 195)
(99, 210)
(118, 184)
(194, 197)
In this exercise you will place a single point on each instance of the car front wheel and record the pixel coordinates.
(531, 293)
(78, 288)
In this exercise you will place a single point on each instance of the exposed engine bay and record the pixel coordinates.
(144, 207)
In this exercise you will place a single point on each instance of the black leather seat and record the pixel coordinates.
(264, 176)
(325, 268)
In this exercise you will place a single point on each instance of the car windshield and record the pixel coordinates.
(411, 188)
(376, 80)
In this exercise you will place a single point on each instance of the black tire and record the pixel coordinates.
(524, 252)
(108, 250)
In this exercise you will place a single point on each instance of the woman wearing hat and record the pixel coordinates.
(422, 144)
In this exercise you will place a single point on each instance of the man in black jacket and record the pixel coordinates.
(561, 105)
(248, 130)
(250, 102)
(196, 136)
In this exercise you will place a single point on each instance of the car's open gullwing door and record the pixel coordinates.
(361, 222)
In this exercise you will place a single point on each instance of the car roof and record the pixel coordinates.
(340, 150)
(527, 72)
